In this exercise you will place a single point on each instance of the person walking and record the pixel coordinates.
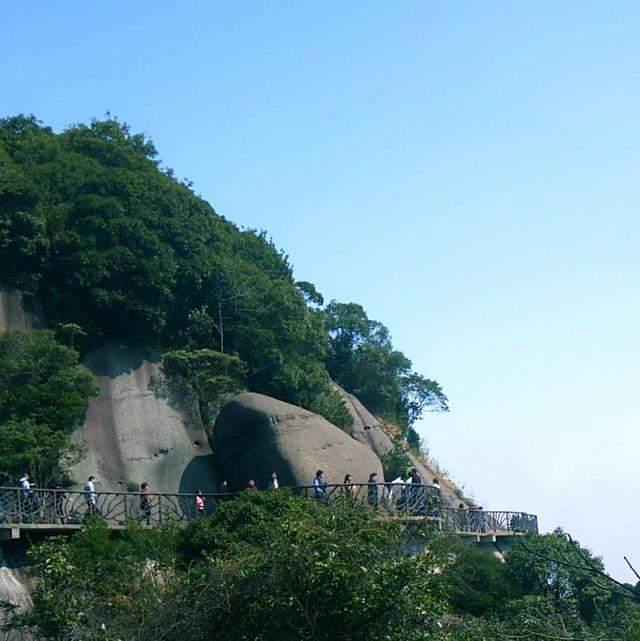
(145, 503)
(319, 487)
(397, 493)
(416, 492)
(434, 498)
(274, 482)
(25, 484)
(415, 477)
(200, 504)
(90, 495)
(372, 490)
(251, 486)
(476, 519)
(28, 505)
(349, 488)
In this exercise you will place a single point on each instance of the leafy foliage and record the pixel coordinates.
(396, 462)
(43, 398)
(271, 566)
(114, 245)
(213, 375)
(264, 566)
(363, 361)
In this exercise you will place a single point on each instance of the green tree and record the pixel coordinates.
(214, 376)
(553, 567)
(269, 566)
(43, 398)
(472, 579)
(264, 566)
(113, 244)
(362, 359)
(396, 462)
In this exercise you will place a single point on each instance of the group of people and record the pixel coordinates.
(146, 503)
(30, 501)
(272, 484)
(409, 494)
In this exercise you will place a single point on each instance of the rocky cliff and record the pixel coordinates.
(146, 427)
(143, 426)
(19, 310)
(15, 585)
(369, 430)
(255, 435)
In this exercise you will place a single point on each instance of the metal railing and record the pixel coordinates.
(481, 521)
(70, 507)
(50, 507)
(399, 499)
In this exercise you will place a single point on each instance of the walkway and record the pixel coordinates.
(54, 511)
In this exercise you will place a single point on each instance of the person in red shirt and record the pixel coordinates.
(200, 504)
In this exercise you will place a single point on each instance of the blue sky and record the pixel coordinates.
(467, 171)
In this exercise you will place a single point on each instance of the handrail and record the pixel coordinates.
(56, 507)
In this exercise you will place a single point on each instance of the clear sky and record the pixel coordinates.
(468, 171)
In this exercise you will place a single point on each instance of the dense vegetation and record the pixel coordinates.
(43, 398)
(115, 247)
(268, 567)
(362, 359)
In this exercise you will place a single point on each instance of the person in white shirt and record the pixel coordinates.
(434, 501)
(90, 495)
(396, 489)
(25, 484)
(29, 503)
(274, 483)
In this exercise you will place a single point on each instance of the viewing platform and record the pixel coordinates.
(52, 512)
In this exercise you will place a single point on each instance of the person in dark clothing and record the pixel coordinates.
(462, 518)
(372, 490)
(416, 493)
(319, 487)
(476, 519)
(251, 486)
(349, 489)
(145, 503)
(415, 477)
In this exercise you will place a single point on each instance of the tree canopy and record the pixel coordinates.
(115, 246)
(362, 359)
(43, 398)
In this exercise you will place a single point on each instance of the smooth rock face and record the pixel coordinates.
(366, 427)
(19, 311)
(255, 435)
(368, 430)
(142, 427)
(15, 586)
